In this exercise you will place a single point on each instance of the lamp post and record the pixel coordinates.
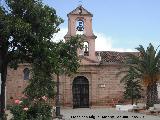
(0, 57)
(58, 115)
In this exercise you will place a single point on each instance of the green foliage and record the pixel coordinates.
(132, 90)
(66, 60)
(146, 68)
(25, 109)
(41, 82)
(26, 26)
(26, 31)
(132, 87)
(56, 58)
(146, 64)
(40, 111)
(18, 113)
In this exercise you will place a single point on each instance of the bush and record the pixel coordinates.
(37, 109)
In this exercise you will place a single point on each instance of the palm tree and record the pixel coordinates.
(132, 87)
(146, 66)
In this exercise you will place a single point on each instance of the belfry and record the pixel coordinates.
(80, 22)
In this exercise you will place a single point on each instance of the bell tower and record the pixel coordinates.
(80, 22)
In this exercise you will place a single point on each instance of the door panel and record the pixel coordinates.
(80, 93)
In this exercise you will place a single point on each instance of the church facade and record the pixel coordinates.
(96, 82)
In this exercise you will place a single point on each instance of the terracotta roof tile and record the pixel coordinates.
(113, 57)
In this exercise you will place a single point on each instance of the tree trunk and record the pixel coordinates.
(3, 85)
(3, 70)
(132, 96)
(152, 95)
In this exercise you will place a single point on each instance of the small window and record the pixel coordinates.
(86, 48)
(26, 74)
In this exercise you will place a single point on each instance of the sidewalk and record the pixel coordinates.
(103, 114)
(100, 114)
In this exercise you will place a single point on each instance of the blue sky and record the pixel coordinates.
(120, 25)
(123, 23)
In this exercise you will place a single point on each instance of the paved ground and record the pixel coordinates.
(103, 114)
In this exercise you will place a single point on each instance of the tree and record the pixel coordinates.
(66, 61)
(146, 68)
(58, 58)
(4, 37)
(41, 82)
(132, 86)
(25, 26)
(40, 88)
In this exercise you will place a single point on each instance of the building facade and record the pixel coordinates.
(96, 82)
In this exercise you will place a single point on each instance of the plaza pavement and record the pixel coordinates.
(103, 114)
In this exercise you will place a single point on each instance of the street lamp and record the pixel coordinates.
(58, 115)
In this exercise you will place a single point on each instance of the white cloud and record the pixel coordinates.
(102, 43)
(60, 35)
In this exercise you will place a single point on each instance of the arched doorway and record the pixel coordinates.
(80, 90)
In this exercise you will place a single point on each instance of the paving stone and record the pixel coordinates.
(103, 114)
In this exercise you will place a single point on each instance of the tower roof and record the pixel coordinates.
(83, 11)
